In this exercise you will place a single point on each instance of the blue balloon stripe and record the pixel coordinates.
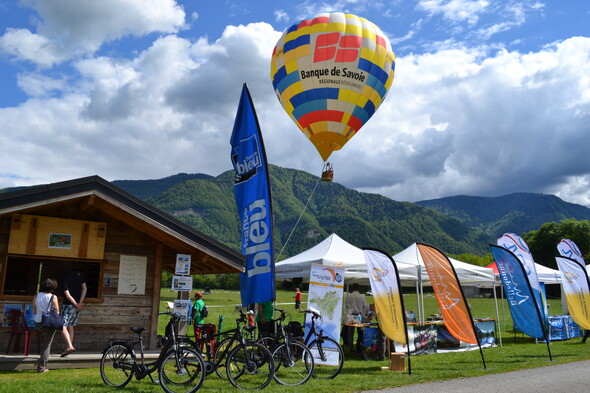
(377, 86)
(297, 42)
(373, 69)
(278, 76)
(314, 94)
(310, 106)
(361, 114)
(369, 108)
(287, 81)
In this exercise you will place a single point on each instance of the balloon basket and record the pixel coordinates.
(328, 172)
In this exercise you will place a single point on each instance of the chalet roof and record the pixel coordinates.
(96, 191)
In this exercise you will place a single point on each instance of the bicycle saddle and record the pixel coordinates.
(250, 328)
(137, 330)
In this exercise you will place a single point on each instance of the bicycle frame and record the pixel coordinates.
(234, 335)
(139, 368)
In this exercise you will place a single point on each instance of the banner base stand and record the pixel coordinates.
(396, 362)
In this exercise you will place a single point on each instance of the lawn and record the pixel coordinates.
(517, 352)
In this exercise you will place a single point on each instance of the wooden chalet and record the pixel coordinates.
(118, 241)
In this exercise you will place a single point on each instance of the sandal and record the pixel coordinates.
(67, 352)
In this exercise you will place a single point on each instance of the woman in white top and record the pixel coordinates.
(41, 304)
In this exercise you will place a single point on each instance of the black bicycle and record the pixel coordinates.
(294, 361)
(247, 364)
(180, 367)
(327, 353)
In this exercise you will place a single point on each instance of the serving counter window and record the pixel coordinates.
(40, 247)
(23, 274)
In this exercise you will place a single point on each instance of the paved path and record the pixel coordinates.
(560, 378)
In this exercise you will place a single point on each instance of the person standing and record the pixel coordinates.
(74, 286)
(196, 316)
(298, 296)
(41, 302)
(356, 305)
(264, 316)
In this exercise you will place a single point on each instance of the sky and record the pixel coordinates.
(489, 97)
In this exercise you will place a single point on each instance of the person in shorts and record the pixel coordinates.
(74, 286)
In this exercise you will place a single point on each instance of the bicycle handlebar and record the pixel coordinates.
(283, 314)
(314, 313)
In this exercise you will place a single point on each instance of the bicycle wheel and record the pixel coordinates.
(116, 365)
(250, 366)
(269, 342)
(293, 363)
(224, 347)
(183, 373)
(328, 358)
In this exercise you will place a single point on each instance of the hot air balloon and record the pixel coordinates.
(331, 72)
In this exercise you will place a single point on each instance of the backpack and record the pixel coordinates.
(204, 312)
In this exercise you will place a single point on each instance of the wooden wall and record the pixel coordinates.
(113, 314)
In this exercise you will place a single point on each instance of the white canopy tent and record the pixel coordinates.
(467, 273)
(333, 251)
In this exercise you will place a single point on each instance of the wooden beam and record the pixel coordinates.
(153, 341)
(32, 237)
(83, 249)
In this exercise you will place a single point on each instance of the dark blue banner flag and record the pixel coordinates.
(523, 305)
(253, 198)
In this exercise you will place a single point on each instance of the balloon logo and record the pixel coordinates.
(331, 72)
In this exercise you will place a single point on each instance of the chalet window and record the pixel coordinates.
(23, 275)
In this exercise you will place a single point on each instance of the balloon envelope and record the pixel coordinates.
(331, 72)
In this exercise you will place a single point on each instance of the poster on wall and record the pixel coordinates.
(183, 264)
(326, 287)
(183, 308)
(182, 284)
(7, 320)
(132, 275)
(29, 315)
(60, 240)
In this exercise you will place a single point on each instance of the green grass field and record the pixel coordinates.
(517, 352)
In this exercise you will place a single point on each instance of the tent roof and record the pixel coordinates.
(333, 250)
(546, 274)
(468, 274)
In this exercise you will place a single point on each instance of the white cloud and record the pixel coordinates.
(312, 7)
(23, 44)
(456, 121)
(281, 16)
(455, 10)
(37, 85)
(511, 122)
(64, 31)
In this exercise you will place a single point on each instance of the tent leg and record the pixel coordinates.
(498, 324)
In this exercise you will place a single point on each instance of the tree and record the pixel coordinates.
(543, 242)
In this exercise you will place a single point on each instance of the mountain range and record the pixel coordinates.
(517, 213)
(304, 217)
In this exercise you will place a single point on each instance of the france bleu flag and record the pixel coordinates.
(253, 199)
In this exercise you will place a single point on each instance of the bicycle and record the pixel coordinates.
(248, 365)
(180, 367)
(327, 352)
(294, 361)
